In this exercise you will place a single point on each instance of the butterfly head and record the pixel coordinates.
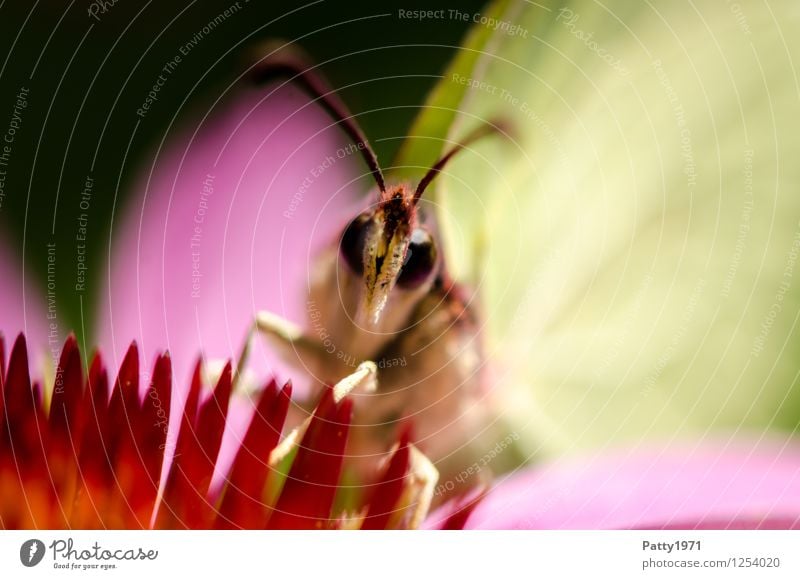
(390, 250)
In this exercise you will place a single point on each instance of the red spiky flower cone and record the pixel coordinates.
(87, 456)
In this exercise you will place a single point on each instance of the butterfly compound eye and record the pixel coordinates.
(420, 260)
(352, 247)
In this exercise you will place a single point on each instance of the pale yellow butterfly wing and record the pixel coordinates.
(634, 247)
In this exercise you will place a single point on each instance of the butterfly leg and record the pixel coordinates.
(300, 349)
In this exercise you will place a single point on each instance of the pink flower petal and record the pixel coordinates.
(732, 484)
(248, 234)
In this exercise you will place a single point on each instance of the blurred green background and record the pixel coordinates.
(86, 76)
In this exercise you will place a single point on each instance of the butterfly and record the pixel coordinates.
(381, 292)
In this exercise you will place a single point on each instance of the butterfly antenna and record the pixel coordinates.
(290, 62)
(486, 129)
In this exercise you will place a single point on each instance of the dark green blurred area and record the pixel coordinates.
(86, 78)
